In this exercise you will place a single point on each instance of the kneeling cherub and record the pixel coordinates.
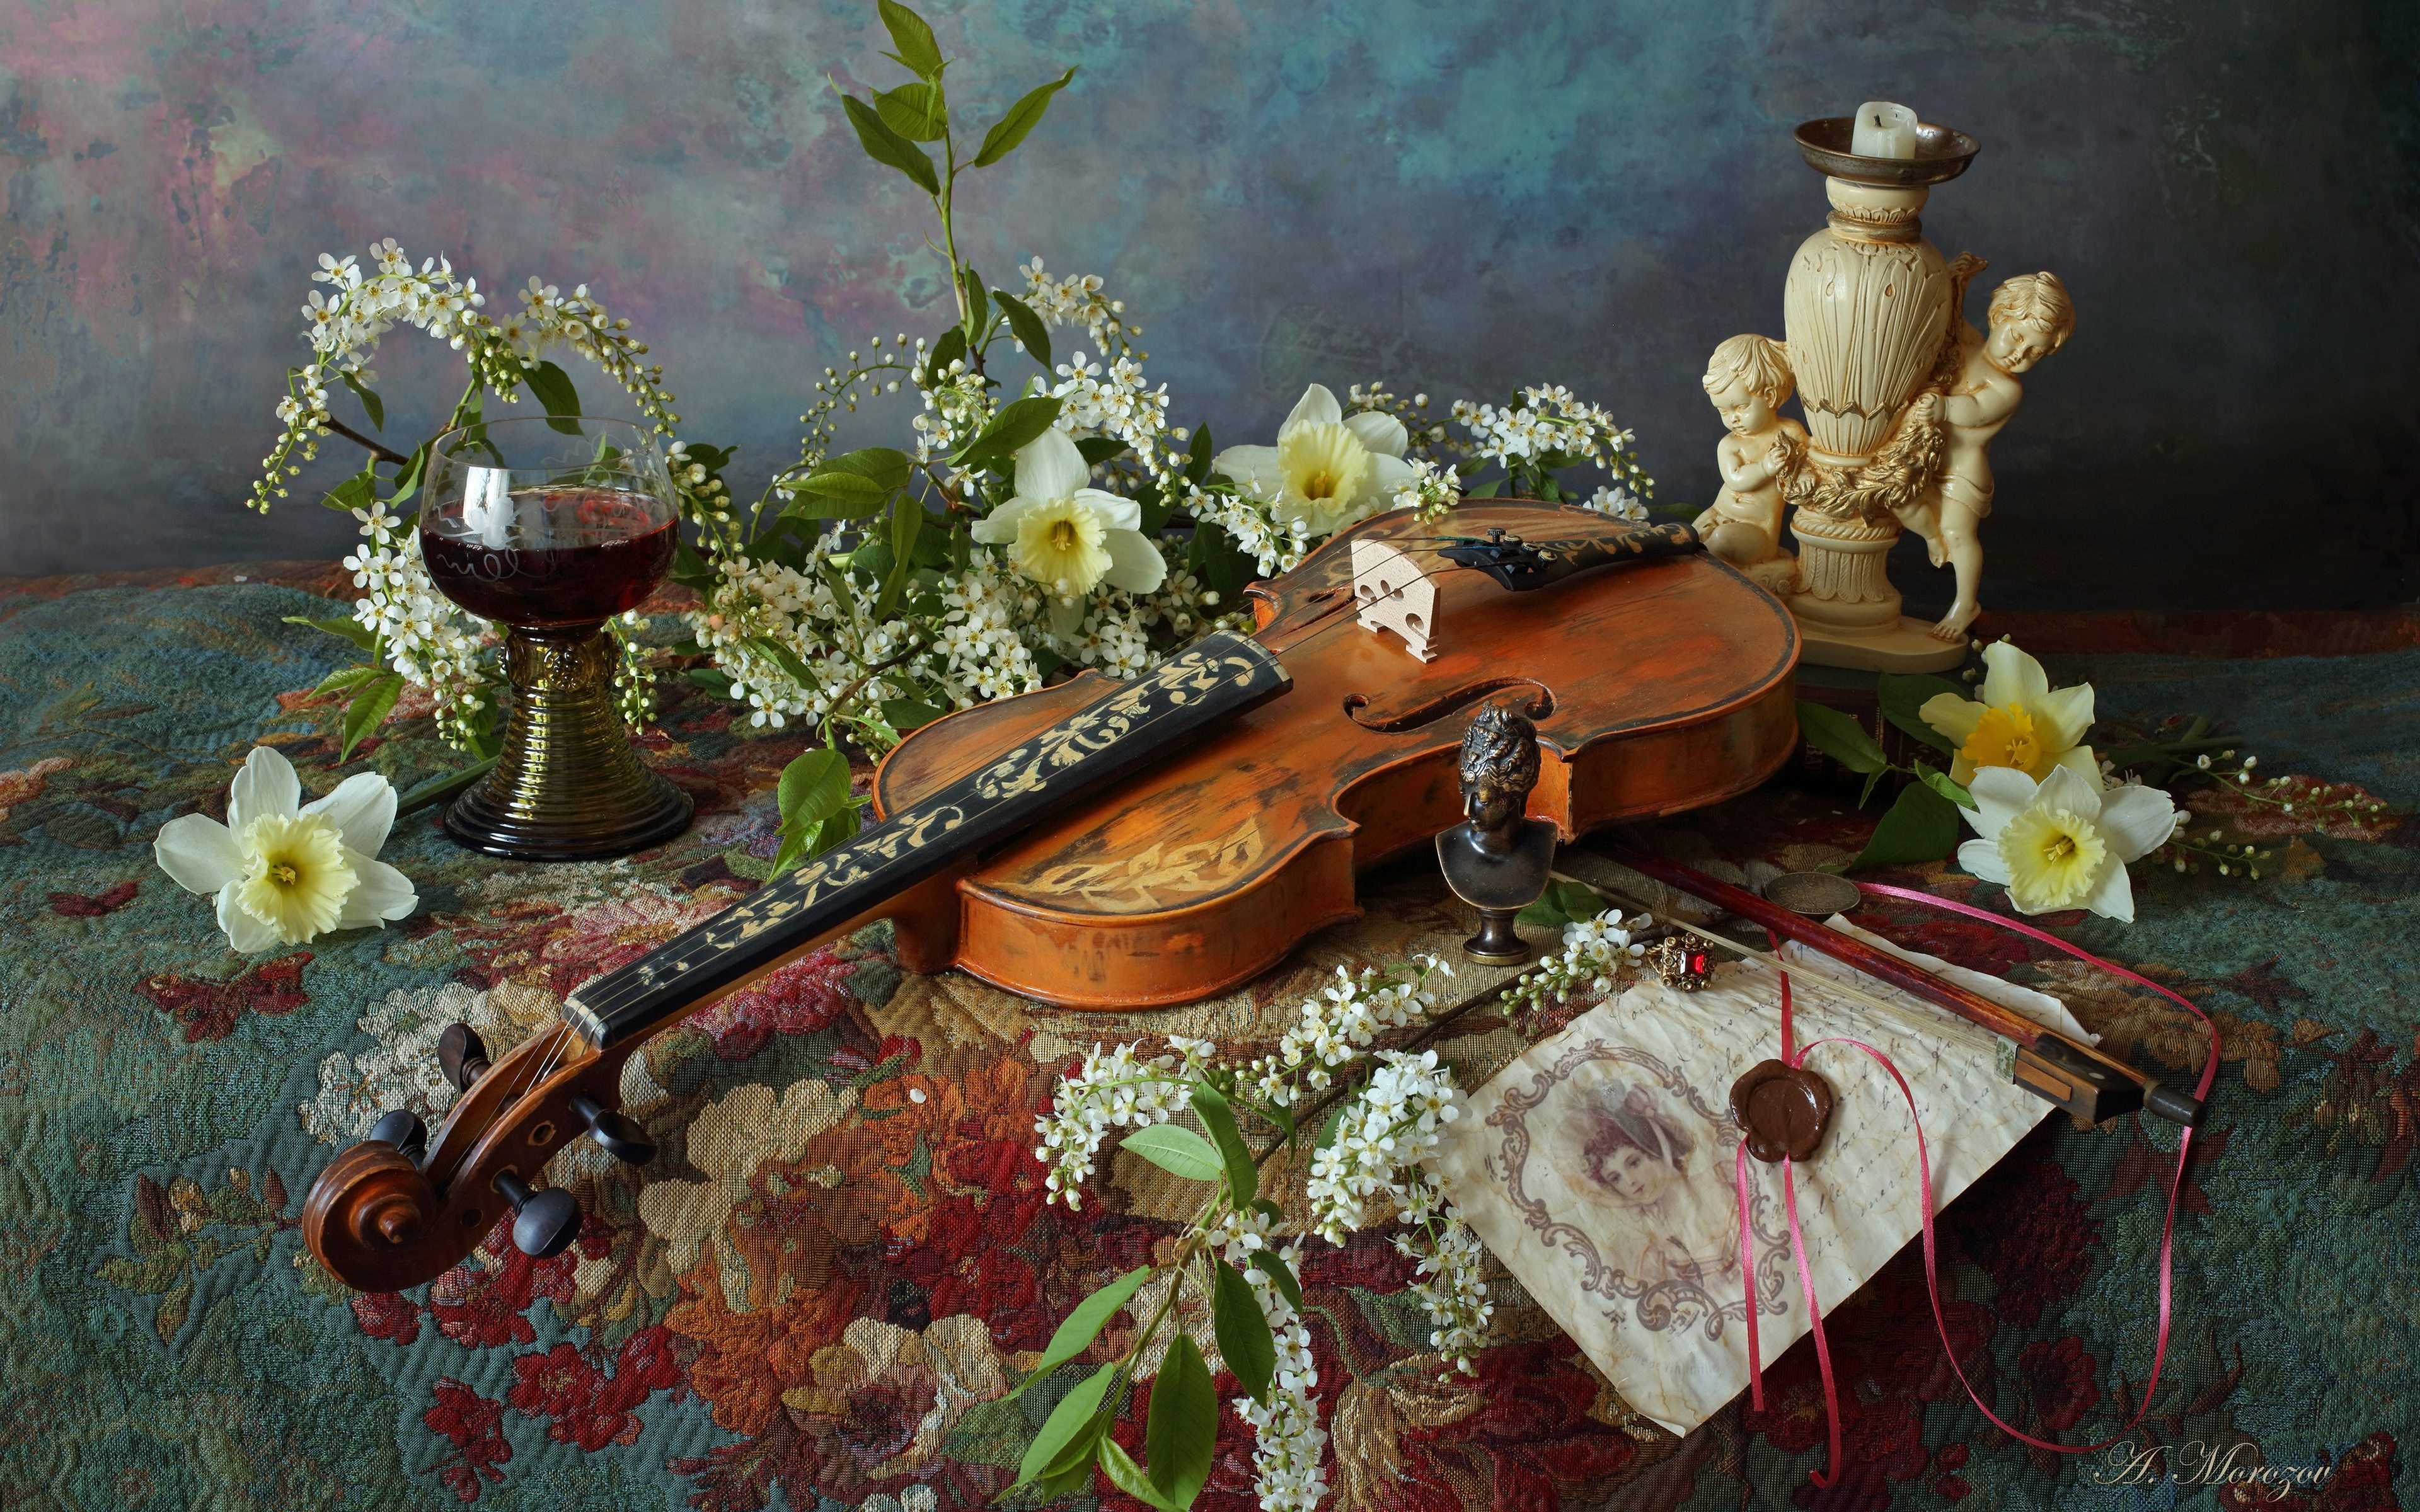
(1749, 379)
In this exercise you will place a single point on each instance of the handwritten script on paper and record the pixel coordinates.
(1598, 1167)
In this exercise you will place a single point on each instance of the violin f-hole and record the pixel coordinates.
(1540, 705)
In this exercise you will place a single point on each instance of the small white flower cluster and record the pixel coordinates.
(764, 623)
(423, 635)
(1593, 951)
(1381, 1136)
(983, 655)
(346, 326)
(1617, 501)
(1077, 301)
(838, 391)
(1447, 1278)
(1288, 1440)
(1275, 546)
(1341, 1023)
(1549, 419)
(1112, 1090)
(957, 405)
(1434, 488)
(1120, 404)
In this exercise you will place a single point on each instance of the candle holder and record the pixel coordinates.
(551, 525)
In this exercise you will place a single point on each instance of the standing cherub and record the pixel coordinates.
(1749, 379)
(2031, 317)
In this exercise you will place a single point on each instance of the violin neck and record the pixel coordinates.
(1130, 724)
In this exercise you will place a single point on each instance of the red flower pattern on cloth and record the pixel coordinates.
(474, 1426)
(209, 1009)
(799, 998)
(2026, 1222)
(95, 905)
(2060, 1374)
(484, 1302)
(590, 1406)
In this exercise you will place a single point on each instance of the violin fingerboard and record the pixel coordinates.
(1130, 724)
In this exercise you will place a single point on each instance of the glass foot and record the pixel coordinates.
(567, 786)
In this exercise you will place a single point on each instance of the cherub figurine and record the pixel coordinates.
(2031, 317)
(1749, 379)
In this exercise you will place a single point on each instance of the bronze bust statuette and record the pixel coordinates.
(1497, 861)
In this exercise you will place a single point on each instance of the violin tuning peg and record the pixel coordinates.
(544, 1222)
(461, 1055)
(403, 1129)
(622, 1135)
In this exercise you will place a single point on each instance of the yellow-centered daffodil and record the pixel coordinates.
(286, 872)
(2020, 722)
(2063, 843)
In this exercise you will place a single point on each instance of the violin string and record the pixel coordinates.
(1348, 614)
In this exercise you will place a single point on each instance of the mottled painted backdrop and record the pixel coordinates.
(1459, 194)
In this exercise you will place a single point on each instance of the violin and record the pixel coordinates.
(1110, 845)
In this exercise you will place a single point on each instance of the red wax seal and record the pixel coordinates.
(1782, 1109)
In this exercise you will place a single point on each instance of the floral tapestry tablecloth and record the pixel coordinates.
(820, 1293)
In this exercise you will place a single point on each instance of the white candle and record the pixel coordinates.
(1885, 131)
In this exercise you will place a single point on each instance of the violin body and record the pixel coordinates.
(1665, 684)
(1105, 844)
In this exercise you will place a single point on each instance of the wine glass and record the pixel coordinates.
(550, 525)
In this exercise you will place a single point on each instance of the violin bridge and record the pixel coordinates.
(1394, 594)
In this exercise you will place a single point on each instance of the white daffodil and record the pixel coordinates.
(2063, 843)
(1067, 536)
(1328, 468)
(2020, 722)
(286, 872)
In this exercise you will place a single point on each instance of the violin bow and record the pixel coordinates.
(2075, 1076)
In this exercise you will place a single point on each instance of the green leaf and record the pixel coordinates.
(1181, 1437)
(480, 734)
(1073, 1413)
(918, 52)
(690, 569)
(1216, 559)
(906, 522)
(814, 788)
(442, 787)
(1015, 426)
(1129, 1477)
(1279, 1272)
(554, 389)
(1025, 325)
(851, 474)
(1328, 1130)
(1096, 450)
(1023, 117)
(1873, 779)
(372, 405)
(1081, 1326)
(371, 703)
(1243, 1334)
(1178, 1151)
(1921, 826)
(947, 349)
(1564, 902)
(903, 714)
(350, 629)
(1940, 782)
(1196, 455)
(345, 677)
(407, 477)
(1901, 696)
(1840, 737)
(354, 493)
(888, 147)
(915, 111)
(1243, 1177)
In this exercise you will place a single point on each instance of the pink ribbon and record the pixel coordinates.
(1924, 1169)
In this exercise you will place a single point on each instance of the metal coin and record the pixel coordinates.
(1815, 894)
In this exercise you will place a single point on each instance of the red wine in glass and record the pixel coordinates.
(551, 556)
